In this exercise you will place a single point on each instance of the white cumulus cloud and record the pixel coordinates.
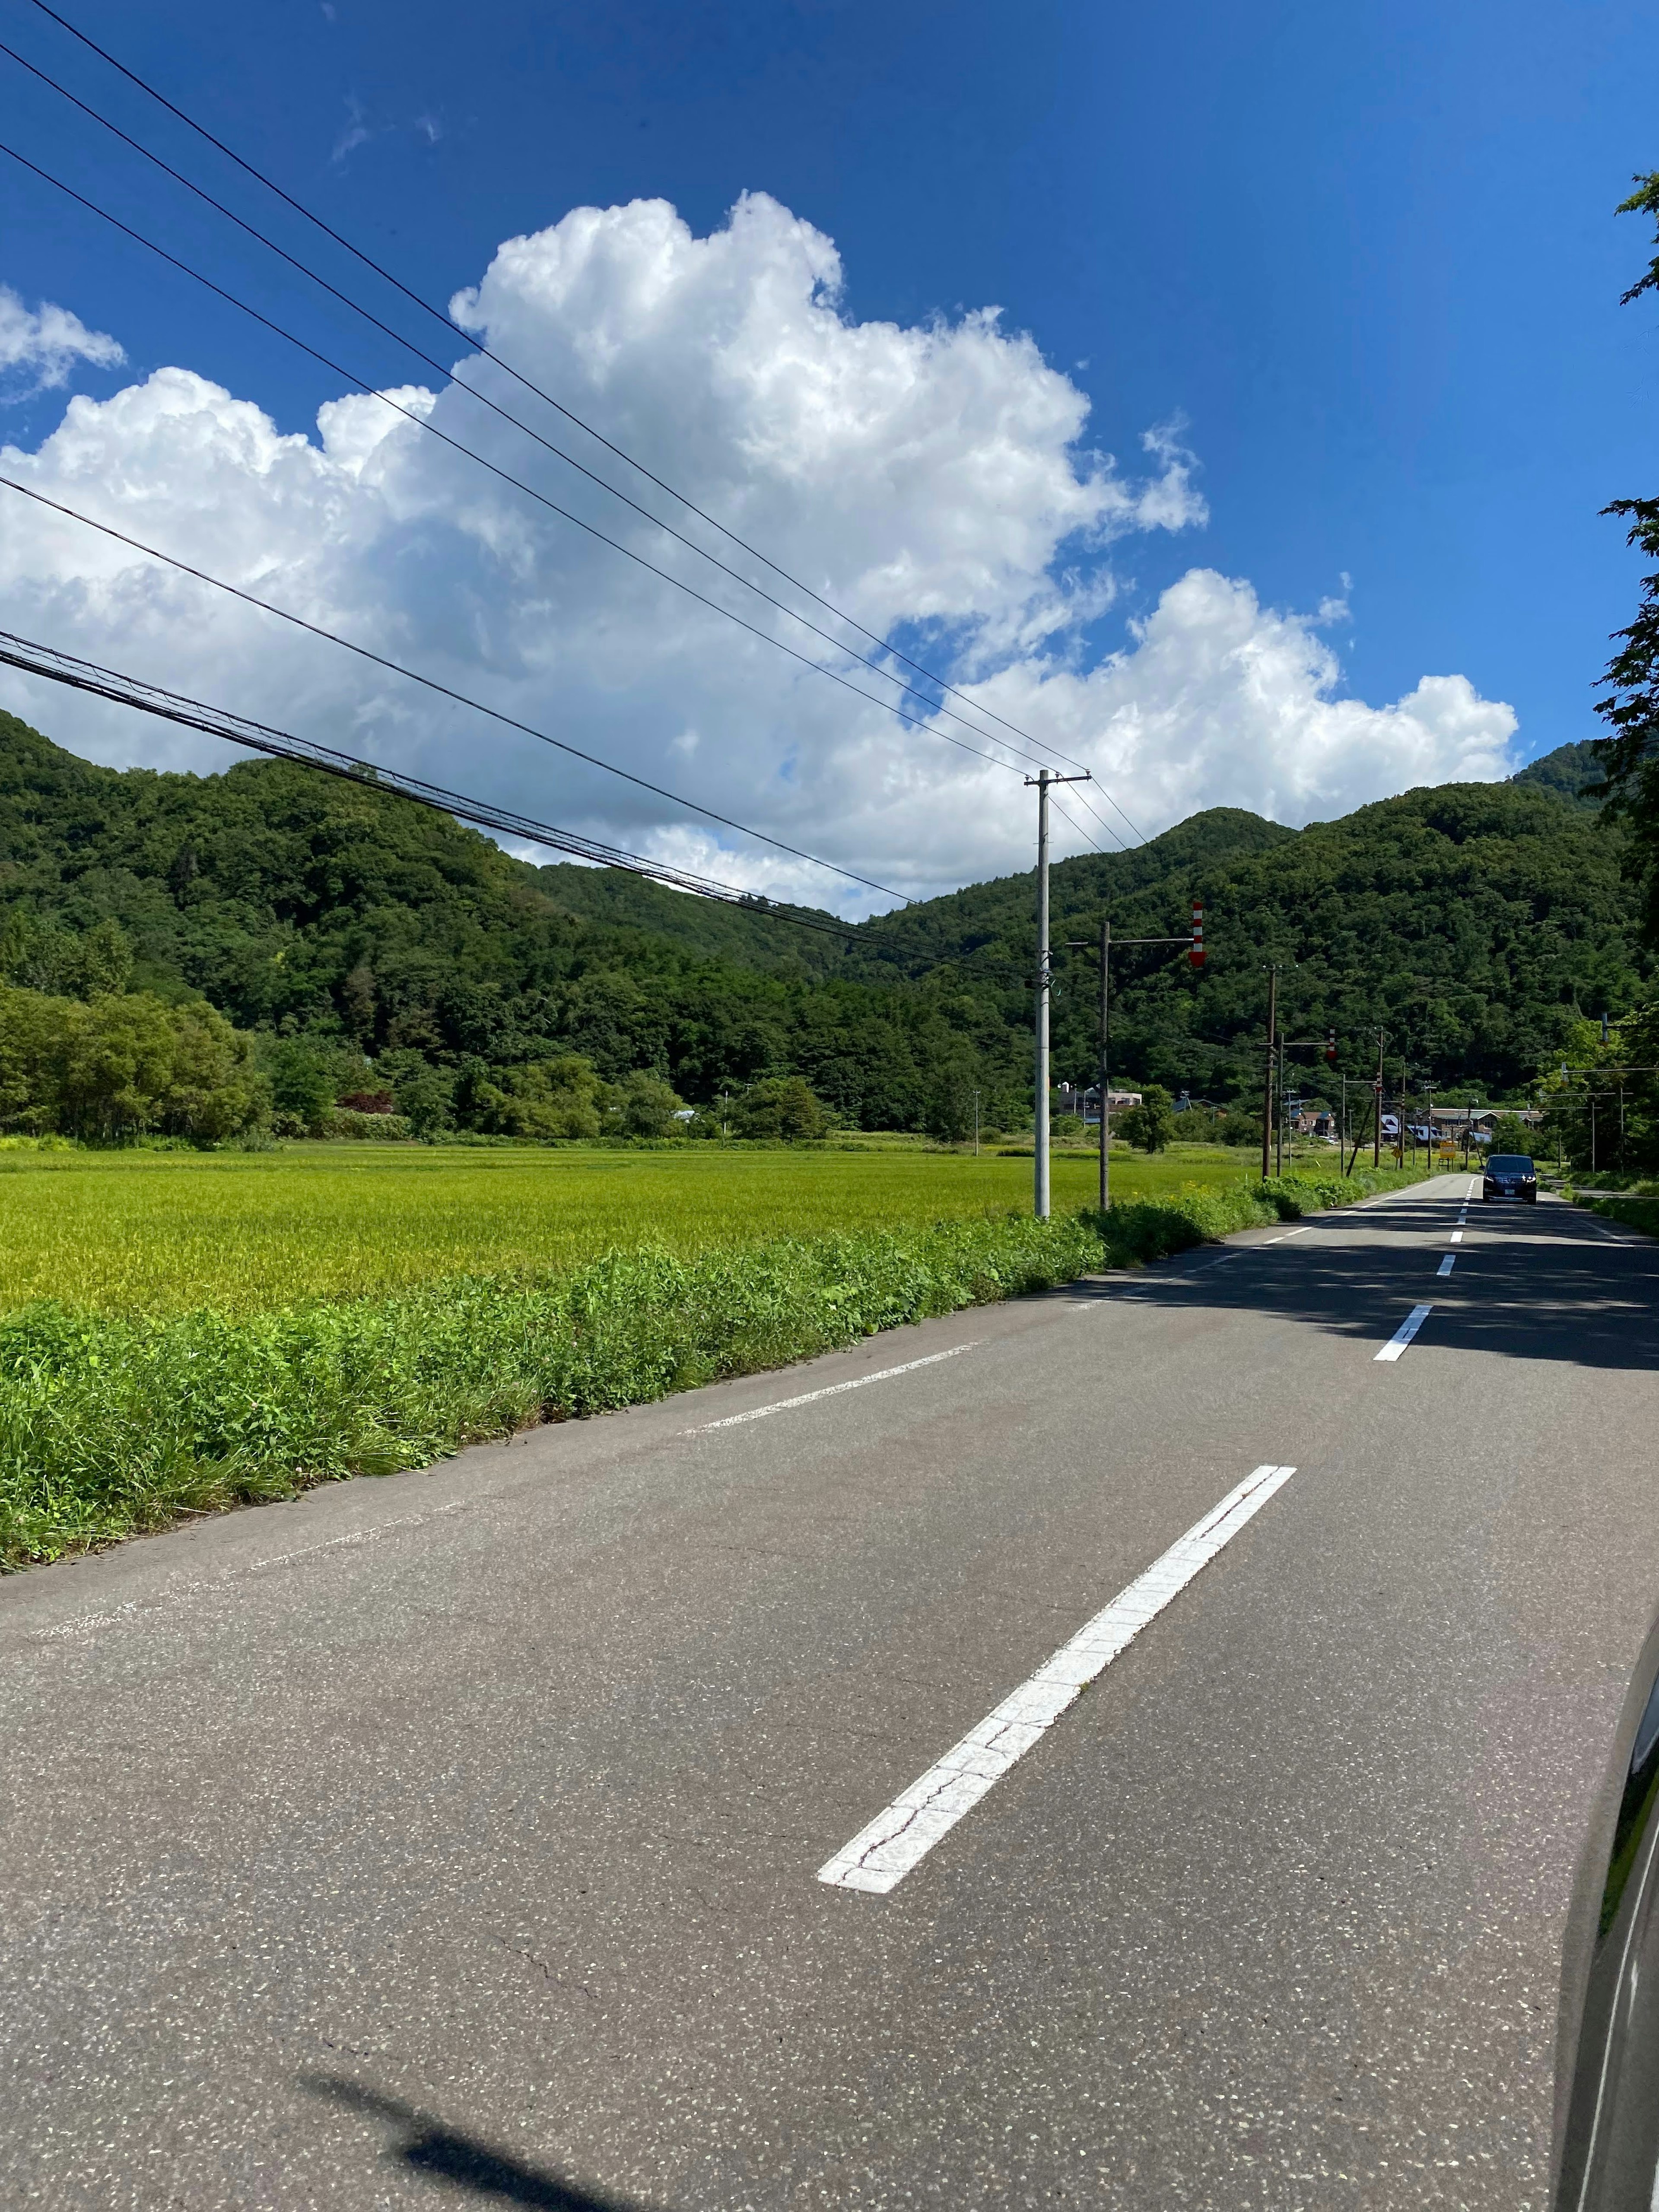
(39, 347)
(936, 482)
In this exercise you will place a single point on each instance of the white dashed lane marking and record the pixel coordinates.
(1406, 1330)
(898, 1839)
(1446, 1264)
(830, 1390)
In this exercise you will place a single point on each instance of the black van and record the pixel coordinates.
(1511, 1175)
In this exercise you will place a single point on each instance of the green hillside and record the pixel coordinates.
(1473, 922)
(1566, 771)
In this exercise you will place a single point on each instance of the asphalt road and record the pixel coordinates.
(456, 1839)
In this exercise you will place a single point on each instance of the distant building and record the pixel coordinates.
(1450, 1122)
(1072, 1099)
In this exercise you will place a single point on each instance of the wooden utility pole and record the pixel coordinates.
(1194, 942)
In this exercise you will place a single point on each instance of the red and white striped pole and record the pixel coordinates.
(1196, 954)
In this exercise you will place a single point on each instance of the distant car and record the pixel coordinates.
(1511, 1175)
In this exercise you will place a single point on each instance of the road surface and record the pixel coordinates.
(460, 1838)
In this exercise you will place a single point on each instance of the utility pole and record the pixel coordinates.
(1105, 1036)
(1267, 1083)
(975, 1125)
(1041, 780)
(1195, 943)
(1376, 1119)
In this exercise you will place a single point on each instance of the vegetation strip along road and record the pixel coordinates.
(115, 1422)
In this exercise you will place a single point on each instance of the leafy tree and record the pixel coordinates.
(122, 1065)
(948, 1110)
(428, 1101)
(302, 1081)
(643, 1105)
(1629, 756)
(1510, 1134)
(1150, 1126)
(782, 1106)
(549, 1099)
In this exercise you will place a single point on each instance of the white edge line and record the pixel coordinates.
(830, 1390)
(899, 1838)
(1406, 1330)
(174, 1593)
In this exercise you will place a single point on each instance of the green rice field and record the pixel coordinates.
(158, 1233)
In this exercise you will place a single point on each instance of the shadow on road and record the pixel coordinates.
(1529, 1283)
(442, 2153)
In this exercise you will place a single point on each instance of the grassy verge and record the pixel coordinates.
(111, 1423)
(1635, 1207)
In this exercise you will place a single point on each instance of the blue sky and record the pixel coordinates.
(1368, 257)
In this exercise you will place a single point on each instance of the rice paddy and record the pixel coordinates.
(158, 1233)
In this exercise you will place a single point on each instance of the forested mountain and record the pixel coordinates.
(1474, 922)
(1566, 770)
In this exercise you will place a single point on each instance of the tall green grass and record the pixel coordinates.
(111, 1423)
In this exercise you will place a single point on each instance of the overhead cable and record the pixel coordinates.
(364, 385)
(444, 690)
(421, 423)
(57, 666)
(455, 329)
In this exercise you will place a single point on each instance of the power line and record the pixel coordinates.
(518, 484)
(450, 325)
(364, 385)
(1079, 827)
(57, 666)
(444, 690)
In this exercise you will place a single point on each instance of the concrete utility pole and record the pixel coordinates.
(976, 1125)
(1377, 1127)
(1041, 780)
(1267, 1081)
(1105, 1037)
